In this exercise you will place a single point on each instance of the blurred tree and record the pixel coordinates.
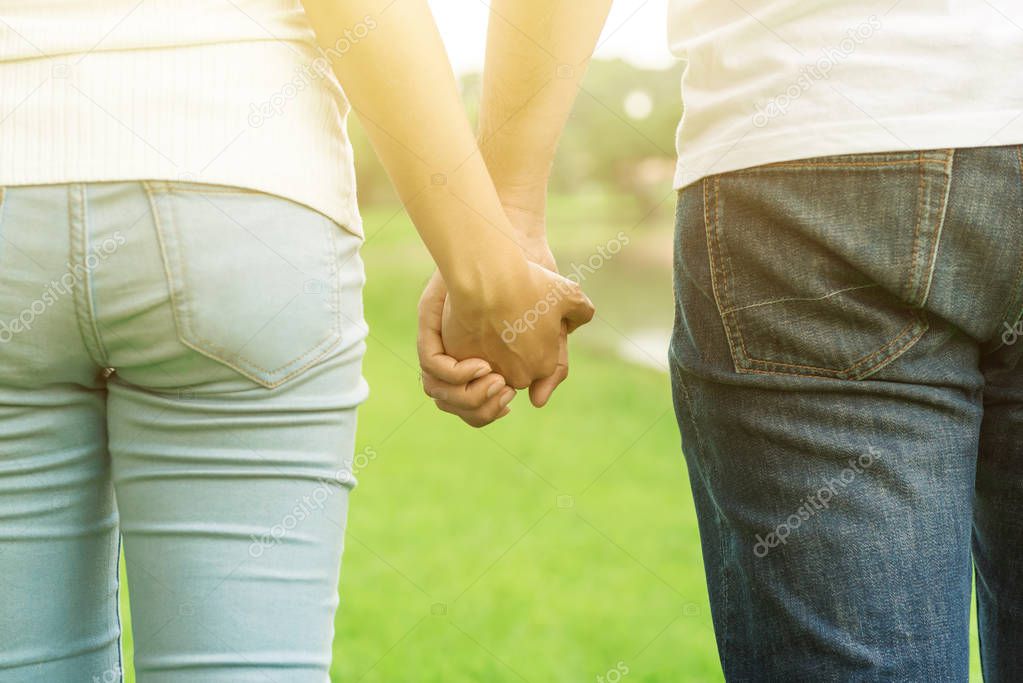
(621, 136)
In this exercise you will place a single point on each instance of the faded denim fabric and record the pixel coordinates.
(180, 367)
(847, 380)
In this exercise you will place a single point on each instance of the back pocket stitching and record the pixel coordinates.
(744, 362)
(167, 232)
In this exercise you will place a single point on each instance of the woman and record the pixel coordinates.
(180, 319)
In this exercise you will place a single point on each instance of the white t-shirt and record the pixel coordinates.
(776, 80)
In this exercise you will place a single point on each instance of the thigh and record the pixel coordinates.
(829, 421)
(58, 538)
(233, 509)
(58, 522)
(232, 417)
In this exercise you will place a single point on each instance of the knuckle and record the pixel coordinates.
(470, 401)
(547, 367)
(444, 406)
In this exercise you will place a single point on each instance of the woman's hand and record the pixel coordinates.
(467, 388)
(470, 388)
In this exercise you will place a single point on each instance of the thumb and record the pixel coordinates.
(540, 391)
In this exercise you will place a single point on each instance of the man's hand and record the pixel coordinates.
(480, 400)
(514, 319)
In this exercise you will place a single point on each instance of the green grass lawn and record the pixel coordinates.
(557, 545)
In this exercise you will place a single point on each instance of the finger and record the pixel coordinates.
(578, 310)
(492, 410)
(541, 390)
(466, 396)
(430, 345)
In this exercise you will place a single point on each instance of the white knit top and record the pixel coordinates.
(230, 92)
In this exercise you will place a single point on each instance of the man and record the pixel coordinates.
(849, 282)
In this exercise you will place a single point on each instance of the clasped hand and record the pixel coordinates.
(477, 347)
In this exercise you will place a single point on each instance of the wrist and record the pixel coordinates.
(521, 184)
(480, 281)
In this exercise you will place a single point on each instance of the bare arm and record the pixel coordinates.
(400, 84)
(537, 54)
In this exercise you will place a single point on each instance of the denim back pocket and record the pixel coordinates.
(253, 277)
(821, 267)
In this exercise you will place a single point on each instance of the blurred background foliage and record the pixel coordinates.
(621, 137)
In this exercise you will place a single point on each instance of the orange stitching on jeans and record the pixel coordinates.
(784, 165)
(913, 285)
(914, 329)
(939, 222)
(716, 267)
(847, 372)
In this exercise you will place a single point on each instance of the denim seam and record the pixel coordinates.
(723, 569)
(713, 249)
(117, 610)
(927, 278)
(183, 317)
(85, 309)
(1016, 294)
(217, 349)
(212, 189)
(921, 208)
(932, 214)
(873, 165)
(906, 337)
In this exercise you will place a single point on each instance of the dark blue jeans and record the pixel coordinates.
(847, 379)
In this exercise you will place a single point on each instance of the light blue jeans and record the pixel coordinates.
(180, 366)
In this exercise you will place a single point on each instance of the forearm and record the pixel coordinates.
(537, 54)
(400, 84)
